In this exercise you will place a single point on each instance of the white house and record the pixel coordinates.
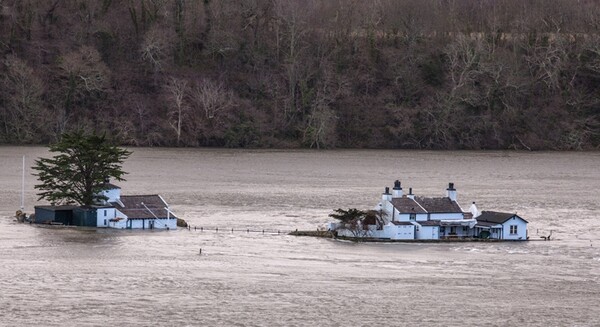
(501, 225)
(144, 212)
(134, 211)
(411, 217)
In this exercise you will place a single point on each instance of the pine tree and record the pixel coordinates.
(78, 173)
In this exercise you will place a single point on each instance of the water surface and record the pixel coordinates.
(72, 277)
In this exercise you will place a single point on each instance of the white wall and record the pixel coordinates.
(521, 229)
(112, 194)
(121, 224)
(406, 216)
(147, 223)
(396, 232)
(446, 216)
(104, 215)
(428, 233)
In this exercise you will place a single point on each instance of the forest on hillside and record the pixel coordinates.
(418, 74)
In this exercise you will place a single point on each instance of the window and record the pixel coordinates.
(413, 216)
(105, 213)
(442, 229)
(453, 230)
(513, 229)
(465, 229)
(104, 222)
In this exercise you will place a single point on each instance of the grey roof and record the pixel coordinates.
(485, 224)
(143, 207)
(56, 208)
(401, 223)
(429, 223)
(407, 205)
(496, 217)
(439, 205)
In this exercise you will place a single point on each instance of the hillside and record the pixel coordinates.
(424, 74)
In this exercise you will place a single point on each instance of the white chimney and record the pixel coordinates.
(397, 192)
(474, 211)
(386, 196)
(410, 194)
(451, 192)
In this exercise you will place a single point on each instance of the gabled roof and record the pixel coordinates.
(485, 224)
(439, 205)
(497, 217)
(143, 207)
(407, 205)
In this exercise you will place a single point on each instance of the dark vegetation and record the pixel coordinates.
(79, 170)
(431, 74)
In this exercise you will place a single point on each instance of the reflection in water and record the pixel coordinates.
(74, 277)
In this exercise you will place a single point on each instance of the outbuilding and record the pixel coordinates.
(501, 225)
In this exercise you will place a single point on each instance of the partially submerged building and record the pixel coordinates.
(411, 217)
(116, 211)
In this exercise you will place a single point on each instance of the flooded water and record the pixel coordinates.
(70, 277)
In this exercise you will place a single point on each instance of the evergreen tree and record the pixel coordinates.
(80, 169)
(348, 216)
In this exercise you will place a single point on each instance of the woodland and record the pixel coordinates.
(410, 74)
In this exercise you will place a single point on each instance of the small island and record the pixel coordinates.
(408, 217)
(76, 182)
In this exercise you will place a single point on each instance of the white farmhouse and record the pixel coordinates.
(411, 217)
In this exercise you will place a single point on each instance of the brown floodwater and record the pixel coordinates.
(74, 277)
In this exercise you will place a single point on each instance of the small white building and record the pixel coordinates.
(114, 211)
(501, 225)
(134, 211)
(411, 217)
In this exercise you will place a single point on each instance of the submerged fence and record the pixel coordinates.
(203, 229)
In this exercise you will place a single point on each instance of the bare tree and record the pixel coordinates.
(178, 108)
(22, 91)
(86, 72)
(157, 47)
(211, 97)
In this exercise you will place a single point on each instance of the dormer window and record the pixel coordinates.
(413, 216)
